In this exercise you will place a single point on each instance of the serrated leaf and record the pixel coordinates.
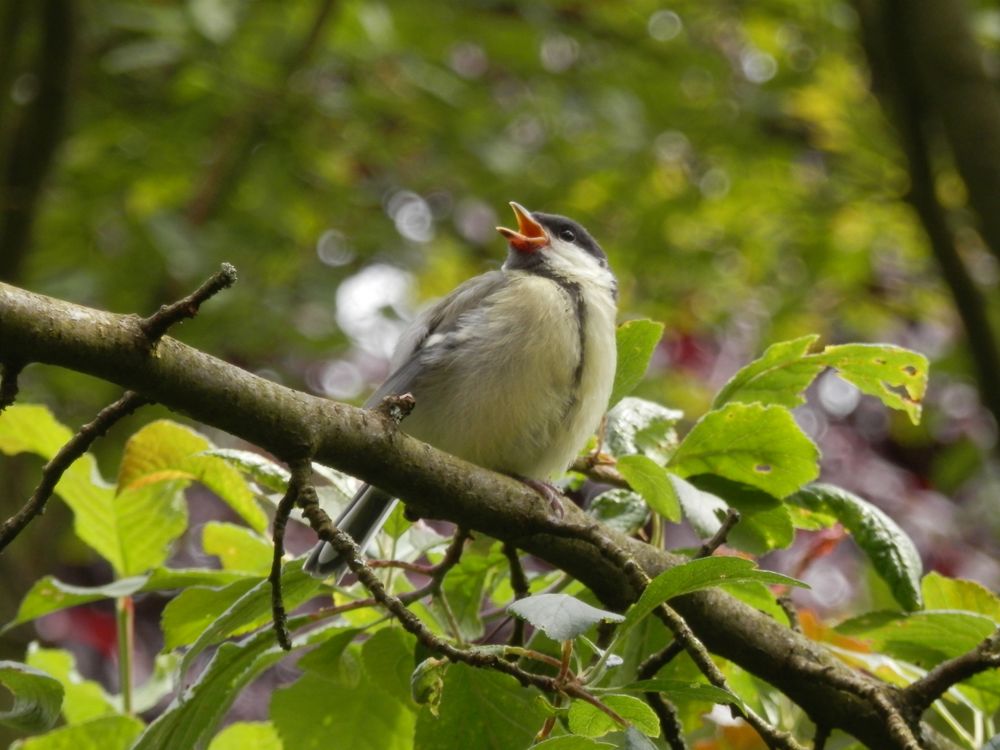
(620, 509)
(237, 547)
(560, 616)
(635, 340)
(464, 585)
(251, 609)
(571, 742)
(37, 697)
(778, 377)
(388, 658)
(262, 470)
(636, 425)
(757, 445)
(941, 592)
(164, 448)
(685, 690)
(83, 699)
(365, 718)
(892, 553)
(244, 735)
(134, 530)
(896, 376)
(699, 574)
(589, 721)
(479, 708)
(650, 480)
(49, 594)
(102, 733)
(191, 718)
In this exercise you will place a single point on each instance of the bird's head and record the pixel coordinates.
(548, 243)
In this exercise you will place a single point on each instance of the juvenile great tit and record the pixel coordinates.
(512, 370)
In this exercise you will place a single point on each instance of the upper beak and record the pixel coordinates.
(530, 235)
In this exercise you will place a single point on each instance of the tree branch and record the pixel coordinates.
(433, 484)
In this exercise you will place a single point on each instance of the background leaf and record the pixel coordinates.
(37, 697)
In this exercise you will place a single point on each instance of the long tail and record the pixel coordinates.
(364, 516)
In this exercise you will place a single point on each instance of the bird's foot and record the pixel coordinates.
(547, 490)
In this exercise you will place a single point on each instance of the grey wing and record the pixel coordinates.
(430, 327)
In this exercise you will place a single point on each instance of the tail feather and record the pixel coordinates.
(362, 519)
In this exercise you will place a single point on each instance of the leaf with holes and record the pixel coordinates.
(892, 553)
(560, 616)
(750, 443)
(778, 377)
(896, 376)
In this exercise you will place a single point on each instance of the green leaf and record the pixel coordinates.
(191, 718)
(757, 445)
(685, 690)
(560, 616)
(638, 426)
(650, 480)
(636, 340)
(388, 658)
(49, 594)
(317, 713)
(479, 708)
(699, 574)
(464, 585)
(941, 592)
(191, 612)
(702, 509)
(765, 524)
(247, 735)
(37, 697)
(924, 638)
(133, 530)
(260, 469)
(779, 377)
(252, 609)
(102, 733)
(892, 553)
(571, 742)
(165, 450)
(237, 547)
(84, 699)
(589, 721)
(620, 509)
(896, 376)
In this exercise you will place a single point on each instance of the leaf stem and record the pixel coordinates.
(125, 621)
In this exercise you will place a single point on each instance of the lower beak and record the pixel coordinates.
(530, 235)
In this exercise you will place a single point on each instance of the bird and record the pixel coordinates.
(512, 370)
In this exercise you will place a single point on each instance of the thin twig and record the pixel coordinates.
(519, 583)
(719, 537)
(821, 736)
(72, 450)
(655, 662)
(788, 607)
(278, 614)
(157, 324)
(600, 468)
(666, 712)
(919, 695)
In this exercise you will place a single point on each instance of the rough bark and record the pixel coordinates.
(291, 424)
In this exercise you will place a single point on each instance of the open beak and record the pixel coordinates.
(530, 235)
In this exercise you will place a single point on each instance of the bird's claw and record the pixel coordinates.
(547, 490)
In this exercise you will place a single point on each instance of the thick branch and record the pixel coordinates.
(34, 328)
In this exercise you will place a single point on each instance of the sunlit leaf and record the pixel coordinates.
(102, 733)
(778, 377)
(636, 341)
(588, 720)
(237, 547)
(259, 735)
(757, 445)
(651, 481)
(83, 699)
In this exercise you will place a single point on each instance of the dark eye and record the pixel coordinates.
(567, 235)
